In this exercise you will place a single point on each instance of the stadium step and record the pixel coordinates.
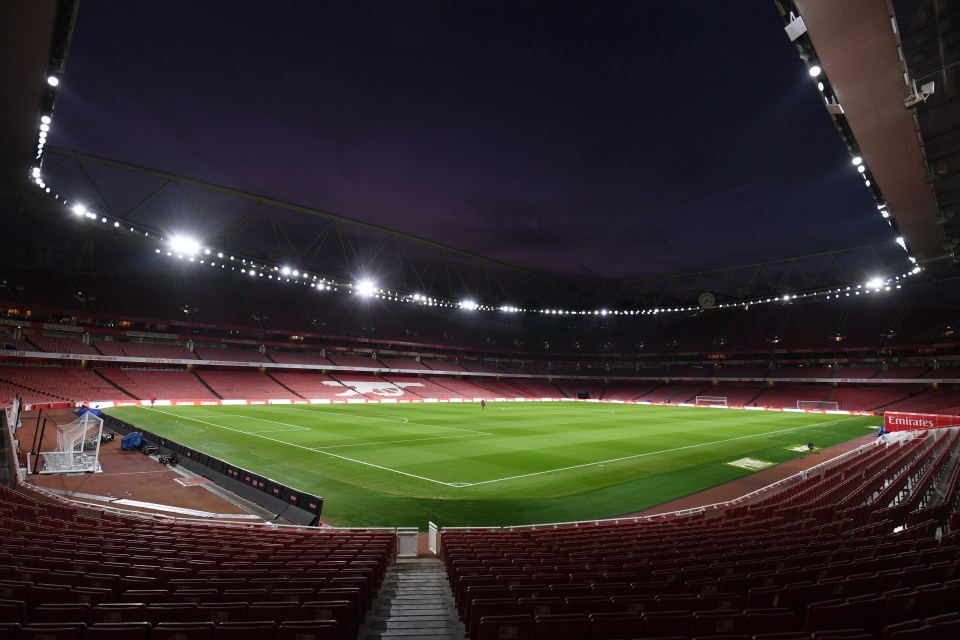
(414, 602)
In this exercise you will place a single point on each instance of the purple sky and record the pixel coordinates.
(611, 139)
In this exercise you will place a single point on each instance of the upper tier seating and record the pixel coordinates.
(353, 360)
(144, 350)
(231, 354)
(443, 364)
(481, 367)
(298, 357)
(403, 363)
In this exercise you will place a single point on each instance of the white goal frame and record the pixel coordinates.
(711, 401)
(77, 450)
(818, 405)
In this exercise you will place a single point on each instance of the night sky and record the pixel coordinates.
(599, 139)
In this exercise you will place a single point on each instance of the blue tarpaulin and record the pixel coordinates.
(132, 441)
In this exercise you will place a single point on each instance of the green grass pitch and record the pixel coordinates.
(509, 464)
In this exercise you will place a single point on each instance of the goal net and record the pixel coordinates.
(78, 447)
(711, 401)
(818, 405)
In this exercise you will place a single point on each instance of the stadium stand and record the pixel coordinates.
(246, 385)
(861, 399)
(628, 391)
(403, 363)
(117, 296)
(61, 566)
(230, 354)
(902, 373)
(352, 360)
(814, 371)
(277, 306)
(787, 397)
(143, 350)
(857, 372)
(783, 566)
(289, 356)
(213, 300)
(443, 365)
(310, 385)
(144, 384)
(476, 366)
(423, 387)
(61, 344)
(459, 387)
(59, 384)
(802, 330)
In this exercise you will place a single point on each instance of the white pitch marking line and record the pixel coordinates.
(642, 455)
(354, 415)
(364, 444)
(300, 446)
(296, 427)
(398, 419)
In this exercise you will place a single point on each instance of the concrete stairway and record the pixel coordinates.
(414, 602)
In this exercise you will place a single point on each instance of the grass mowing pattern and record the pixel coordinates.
(511, 463)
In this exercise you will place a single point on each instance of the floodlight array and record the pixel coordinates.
(191, 250)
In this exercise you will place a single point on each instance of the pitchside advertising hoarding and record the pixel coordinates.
(895, 421)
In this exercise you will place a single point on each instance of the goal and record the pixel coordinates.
(818, 405)
(711, 401)
(77, 450)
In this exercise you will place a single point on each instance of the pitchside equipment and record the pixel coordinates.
(712, 401)
(818, 405)
(77, 449)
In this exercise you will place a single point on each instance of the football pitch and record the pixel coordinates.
(508, 464)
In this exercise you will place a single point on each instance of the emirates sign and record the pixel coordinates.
(894, 421)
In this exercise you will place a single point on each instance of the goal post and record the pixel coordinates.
(818, 405)
(711, 401)
(77, 447)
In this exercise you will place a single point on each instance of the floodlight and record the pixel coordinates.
(365, 288)
(902, 242)
(44, 127)
(857, 161)
(79, 209)
(861, 168)
(53, 81)
(183, 244)
(875, 283)
(285, 271)
(469, 305)
(815, 71)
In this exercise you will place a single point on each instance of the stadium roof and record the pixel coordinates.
(592, 143)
